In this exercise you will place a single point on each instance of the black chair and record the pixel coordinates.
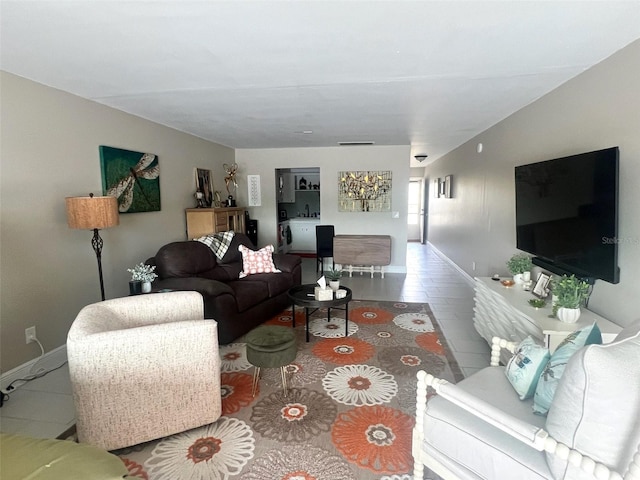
(324, 245)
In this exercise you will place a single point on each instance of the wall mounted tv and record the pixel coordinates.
(567, 214)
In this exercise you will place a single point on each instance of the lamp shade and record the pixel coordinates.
(92, 212)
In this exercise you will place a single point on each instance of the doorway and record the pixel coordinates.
(415, 210)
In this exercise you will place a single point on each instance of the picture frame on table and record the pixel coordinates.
(540, 288)
(217, 202)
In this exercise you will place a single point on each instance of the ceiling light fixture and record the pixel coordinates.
(421, 157)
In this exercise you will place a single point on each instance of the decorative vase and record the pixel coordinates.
(568, 315)
(146, 287)
(526, 277)
(518, 278)
(135, 287)
(334, 284)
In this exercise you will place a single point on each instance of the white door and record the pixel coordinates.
(414, 210)
(424, 212)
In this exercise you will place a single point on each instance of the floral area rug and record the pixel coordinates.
(348, 414)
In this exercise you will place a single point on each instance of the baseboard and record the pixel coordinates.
(49, 360)
(468, 278)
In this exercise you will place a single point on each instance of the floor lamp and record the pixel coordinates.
(93, 213)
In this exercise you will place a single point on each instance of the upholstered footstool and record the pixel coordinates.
(270, 346)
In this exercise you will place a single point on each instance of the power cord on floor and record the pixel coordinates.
(38, 373)
(4, 395)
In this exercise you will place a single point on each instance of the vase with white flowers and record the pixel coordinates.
(142, 275)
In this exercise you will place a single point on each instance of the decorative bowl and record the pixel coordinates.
(507, 283)
(537, 302)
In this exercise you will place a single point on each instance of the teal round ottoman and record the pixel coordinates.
(270, 346)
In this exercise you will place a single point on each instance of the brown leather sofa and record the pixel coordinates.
(237, 304)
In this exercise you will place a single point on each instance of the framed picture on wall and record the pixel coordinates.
(364, 191)
(204, 185)
(447, 186)
(132, 177)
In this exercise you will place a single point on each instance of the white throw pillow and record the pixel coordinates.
(597, 406)
(629, 331)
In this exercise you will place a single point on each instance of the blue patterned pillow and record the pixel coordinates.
(524, 368)
(552, 373)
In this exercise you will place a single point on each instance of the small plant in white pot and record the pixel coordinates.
(334, 277)
(571, 293)
(519, 266)
(144, 274)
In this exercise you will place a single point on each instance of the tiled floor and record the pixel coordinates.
(44, 408)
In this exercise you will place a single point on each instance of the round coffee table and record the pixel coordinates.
(303, 296)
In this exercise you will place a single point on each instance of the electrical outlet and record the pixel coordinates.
(30, 334)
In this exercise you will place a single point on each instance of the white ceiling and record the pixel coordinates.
(258, 74)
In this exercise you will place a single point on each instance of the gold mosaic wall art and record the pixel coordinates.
(364, 191)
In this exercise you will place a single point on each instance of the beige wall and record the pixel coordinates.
(49, 150)
(600, 108)
(331, 160)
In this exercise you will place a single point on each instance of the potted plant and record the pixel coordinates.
(520, 267)
(570, 293)
(334, 277)
(141, 277)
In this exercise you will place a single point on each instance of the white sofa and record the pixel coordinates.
(143, 367)
(480, 429)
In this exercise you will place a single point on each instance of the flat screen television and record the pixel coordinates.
(567, 214)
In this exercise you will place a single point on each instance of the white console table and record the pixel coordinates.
(506, 313)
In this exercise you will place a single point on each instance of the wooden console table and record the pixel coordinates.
(362, 253)
(205, 221)
(506, 313)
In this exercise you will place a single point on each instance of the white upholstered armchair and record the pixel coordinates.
(143, 367)
(480, 429)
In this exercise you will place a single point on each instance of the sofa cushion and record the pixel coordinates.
(39, 458)
(597, 406)
(525, 366)
(276, 284)
(184, 259)
(286, 262)
(224, 273)
(471, 447)
(249, 293)
(233, 254)
(554, 369)
(257, 261)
